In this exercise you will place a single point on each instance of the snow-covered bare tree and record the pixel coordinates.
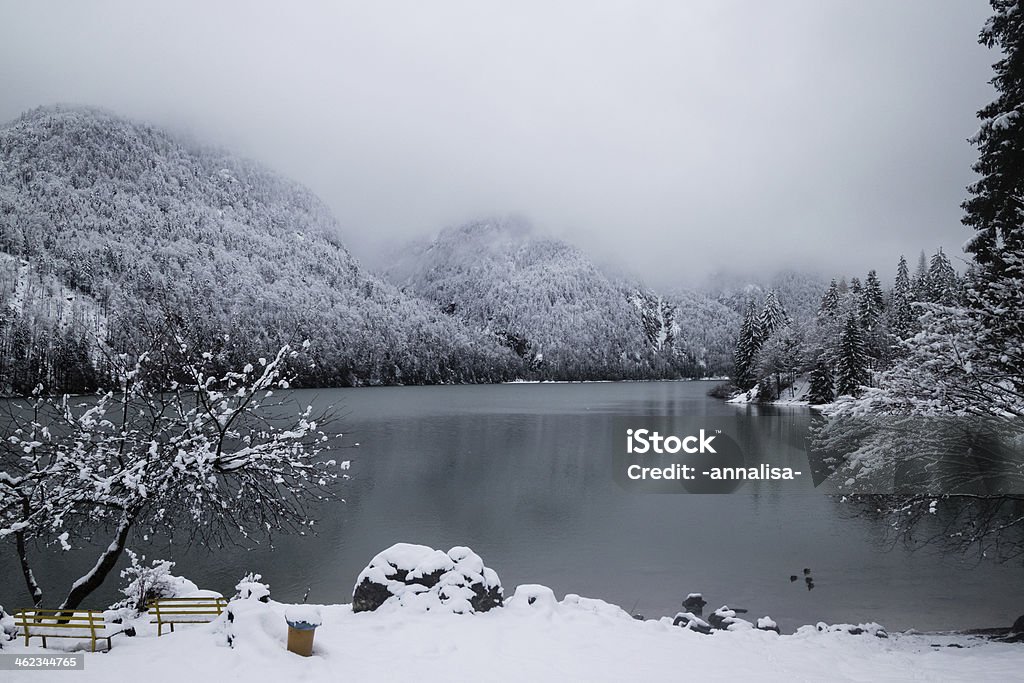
(779, 361)
(183, 448)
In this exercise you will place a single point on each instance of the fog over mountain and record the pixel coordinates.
(109, 227)
(675, 139)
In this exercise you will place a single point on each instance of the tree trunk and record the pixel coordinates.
(92, 580)
(30, 579)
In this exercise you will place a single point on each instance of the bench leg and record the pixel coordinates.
(26, 637)
(159, 628)
(172, 627)
(44, 640)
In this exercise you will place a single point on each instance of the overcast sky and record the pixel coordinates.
(672, 137)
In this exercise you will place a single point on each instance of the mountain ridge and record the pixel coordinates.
(125, 214)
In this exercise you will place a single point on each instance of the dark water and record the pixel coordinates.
(523, 475)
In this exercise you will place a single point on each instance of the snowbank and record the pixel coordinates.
(795, 395)
(539, 640)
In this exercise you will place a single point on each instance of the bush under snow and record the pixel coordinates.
(251, 587)
(151, 583)
(7, 628)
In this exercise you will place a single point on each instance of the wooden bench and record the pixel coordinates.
(66, 623)
(173, 611)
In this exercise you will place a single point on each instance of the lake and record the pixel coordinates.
(522, 473)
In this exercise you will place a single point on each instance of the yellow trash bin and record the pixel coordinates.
(302, 622)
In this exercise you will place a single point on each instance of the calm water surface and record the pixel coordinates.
(523, 475)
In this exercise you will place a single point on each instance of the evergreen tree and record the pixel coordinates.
(995, 209)
(822, 389)
(829, 302)
(767, 390)
(746, 349)
(872, 301)
(920, 281)
(943, 286)
(773, 316)
(852, 367)
(902, 321)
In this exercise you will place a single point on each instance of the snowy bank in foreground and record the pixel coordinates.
(536, 639)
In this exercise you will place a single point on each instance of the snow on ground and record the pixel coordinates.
(795, 395)
(576, 639)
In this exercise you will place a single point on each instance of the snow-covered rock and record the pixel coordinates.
(692, 622)
(695, 603)
(725, 619)
(533, 596)
(425, 579)
(870, 629)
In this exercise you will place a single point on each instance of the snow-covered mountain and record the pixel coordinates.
(107, 224)
(109, 227)
(558, 311)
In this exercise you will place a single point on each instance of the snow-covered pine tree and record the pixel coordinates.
(773, 316)
(902, 320)
(996, 207)
(822, 389)
(872, 301)
(747, 346)
(829, 302)
(852, 365)
(920, 282)
(943, 284)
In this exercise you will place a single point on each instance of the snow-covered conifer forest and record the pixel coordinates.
(108, 224)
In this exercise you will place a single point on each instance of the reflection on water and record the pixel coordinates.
(523, 475)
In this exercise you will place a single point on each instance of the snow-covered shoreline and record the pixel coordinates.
(613, 381)
(795, 395)
(572, 639)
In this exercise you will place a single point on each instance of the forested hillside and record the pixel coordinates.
(106, 224)
(559, 312)
(110, 229)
